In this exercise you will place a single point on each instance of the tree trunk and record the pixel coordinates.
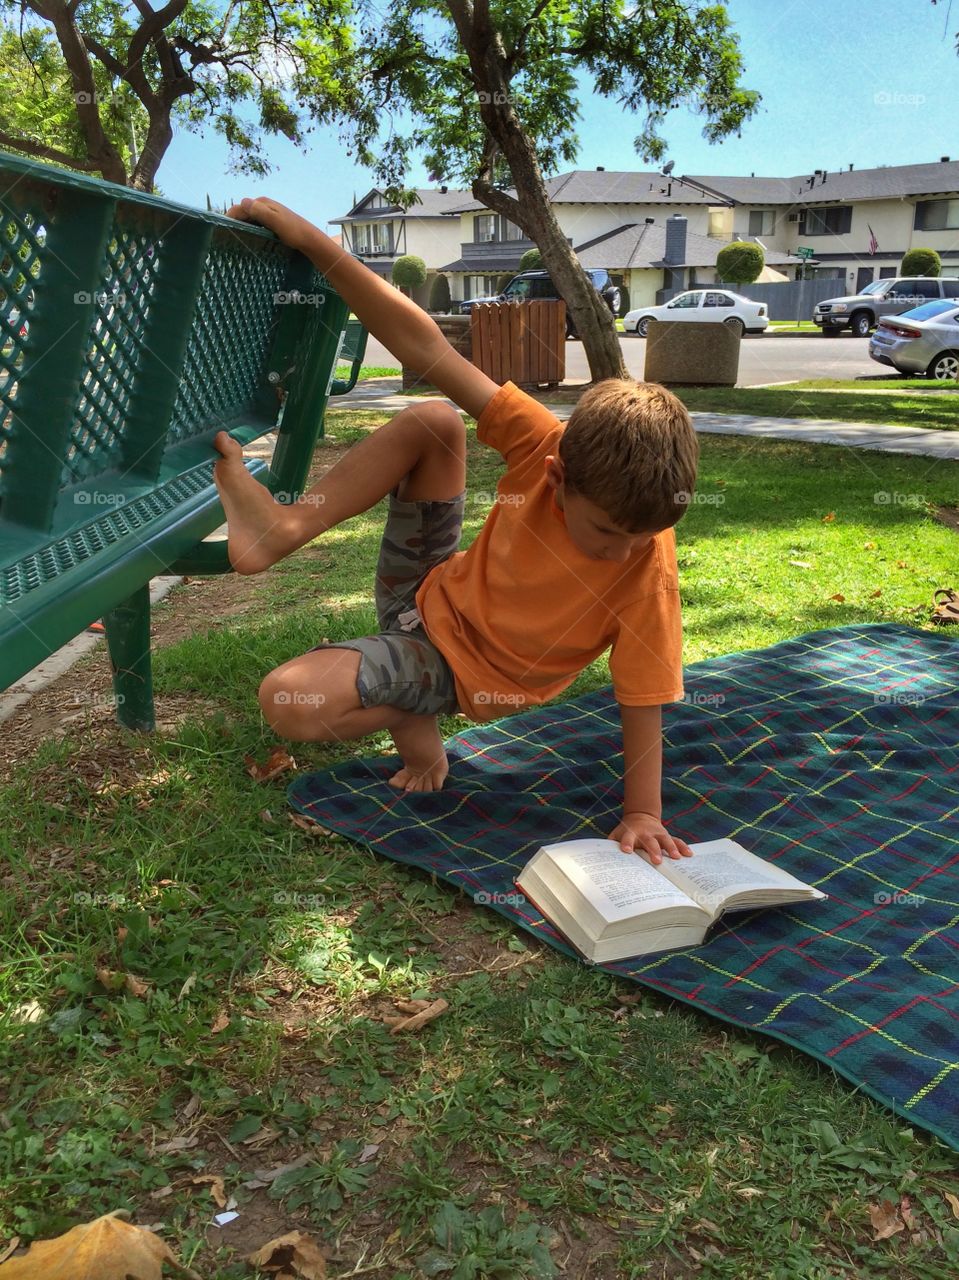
(531, 209)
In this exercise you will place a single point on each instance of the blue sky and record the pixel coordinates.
(863, 82)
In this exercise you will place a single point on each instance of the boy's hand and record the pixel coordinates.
(643, 833)
(283, 222)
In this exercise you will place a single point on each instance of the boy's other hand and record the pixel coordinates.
(283, 222)
(643, 833)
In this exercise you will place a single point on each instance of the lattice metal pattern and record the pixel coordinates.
(113, 353)
(49, 562)
(231, 328)
(22, 234)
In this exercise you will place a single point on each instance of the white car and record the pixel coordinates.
(719, 305)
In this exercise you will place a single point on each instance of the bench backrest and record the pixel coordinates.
(131, 329)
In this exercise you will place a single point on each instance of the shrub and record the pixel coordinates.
(740, 262)
(440, 294)
(532, 260)
(409, 271)
(921, 262)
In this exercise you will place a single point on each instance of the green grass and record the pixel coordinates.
(871, 382)
(543, 1108)
(368, 371)
(937, 412)
(791, 326)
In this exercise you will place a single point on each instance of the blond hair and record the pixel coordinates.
(630, 448)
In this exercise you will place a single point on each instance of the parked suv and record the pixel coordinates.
(533, 286)
(862, 311)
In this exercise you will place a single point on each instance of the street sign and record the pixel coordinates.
(805, 253)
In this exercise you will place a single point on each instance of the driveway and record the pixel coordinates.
(764, 359)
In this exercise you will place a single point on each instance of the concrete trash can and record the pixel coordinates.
(682, 352)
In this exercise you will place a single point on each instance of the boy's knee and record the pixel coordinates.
(306, 705)
(441, 421)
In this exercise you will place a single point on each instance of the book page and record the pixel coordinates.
(719, 869)
(619, 884)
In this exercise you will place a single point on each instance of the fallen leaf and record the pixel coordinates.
(953, 1203)
(800, 564)
(369, 1151)
(263, 1177)
(187, 986)
(278, 761)
(868, 546)
(266, 816)
(295, 1254)
(309, 826)
(416, 1020)
(217, 1189)
(885, 1220)
(874, 594)
(173, 1146)
(114, 981)
(901, 564)
(107, 1248)
(220, 1023)
(829, 518)
(838, 596)
(905, 1212)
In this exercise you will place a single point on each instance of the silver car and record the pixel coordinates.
(923, 340)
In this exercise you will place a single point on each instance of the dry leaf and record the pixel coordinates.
(901, 564)
(838, 596)
(174, 1145)
(217, 1189)
(953, 1203)
(107, 1248)
(309, 826)
(416, 1020)
(828, 519)
(187, 986)
(905, 1212)
(873, 594)
(868, 546)
(263, 1177)
(295, 1254)
(278, 761)
(114, 981)
(220, 1024)
(800, 564)
(885, 1220)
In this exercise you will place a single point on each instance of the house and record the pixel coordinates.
(859, 223)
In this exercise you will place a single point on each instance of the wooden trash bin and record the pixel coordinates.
(683, 352)
(521, 342)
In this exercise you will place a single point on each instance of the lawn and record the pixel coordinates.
(936, 412)
(368, 371)
(552, 1107)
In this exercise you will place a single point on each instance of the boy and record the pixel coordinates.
(576, 555)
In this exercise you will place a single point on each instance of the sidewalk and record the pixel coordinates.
(854, 435)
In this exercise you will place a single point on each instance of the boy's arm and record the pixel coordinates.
(641, 829)
(402, 326)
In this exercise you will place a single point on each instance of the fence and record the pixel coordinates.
(788, 300)
(522, 342)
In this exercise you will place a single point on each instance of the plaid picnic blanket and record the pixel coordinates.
(834, 755)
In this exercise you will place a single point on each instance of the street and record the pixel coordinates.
(762, 359)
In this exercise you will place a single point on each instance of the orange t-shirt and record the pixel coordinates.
(521, 612)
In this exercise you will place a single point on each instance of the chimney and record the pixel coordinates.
(443, 190)
(675, 254)
(943, 159)
(600, 168)
(850, 168)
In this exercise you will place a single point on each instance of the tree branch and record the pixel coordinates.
(41, 152)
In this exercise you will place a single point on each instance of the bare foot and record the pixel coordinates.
(258, 527)
(425, 765)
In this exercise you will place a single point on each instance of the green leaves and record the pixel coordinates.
(483, 1247)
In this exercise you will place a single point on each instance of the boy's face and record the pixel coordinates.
(588, 525)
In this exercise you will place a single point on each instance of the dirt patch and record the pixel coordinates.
(949, 516)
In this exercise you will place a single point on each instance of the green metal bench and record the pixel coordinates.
(132, 330)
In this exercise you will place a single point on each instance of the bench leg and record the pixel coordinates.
(128, 637)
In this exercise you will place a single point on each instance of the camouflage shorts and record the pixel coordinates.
(401, 667)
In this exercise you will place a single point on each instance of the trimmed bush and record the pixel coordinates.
(921, 262)
(740, 262)
(409, 272)
(440, 294)
(532, 260)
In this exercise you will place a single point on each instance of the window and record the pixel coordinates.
(826, 222)
(937, 215)
(950, 288)
(887, 273)
(917, 289)
(372, 237)
(929, 310)
(762, 222)
(718, 300)
(484, 228)
(479, 287)
(511, 231)
(686, 300)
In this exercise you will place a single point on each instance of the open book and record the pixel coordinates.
(611, 904)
